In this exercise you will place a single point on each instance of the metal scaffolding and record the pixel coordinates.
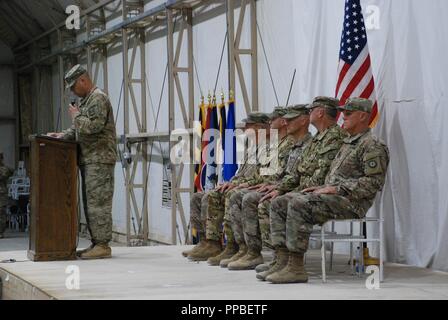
(173, 17)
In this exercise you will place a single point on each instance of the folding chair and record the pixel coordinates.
(332, 237)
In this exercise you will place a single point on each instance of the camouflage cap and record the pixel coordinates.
(72, 75)
(358, 104)
(326, 102)
(257, 117)
(277, 113)
(296, 111)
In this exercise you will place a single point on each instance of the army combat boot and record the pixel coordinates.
(230, 250)
(249, 261)
(294, 272)
(80, 252)
(280, 262)
(241, 252)
(198, 246)
(99, 251)
(212, 248)
(266, 266)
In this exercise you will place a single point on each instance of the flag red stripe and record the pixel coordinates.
(368, 90)
(356, 79)
(344, 71)
(374, 112)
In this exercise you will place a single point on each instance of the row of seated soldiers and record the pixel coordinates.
(334, 175)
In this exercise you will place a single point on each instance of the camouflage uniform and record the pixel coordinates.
(218, 203)
(256, 215)
(5, 173)
(310, 172)
(358, 172)
(236, 213)
(198, 212)
(94, 130)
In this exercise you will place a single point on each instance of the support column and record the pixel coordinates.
(250, 101)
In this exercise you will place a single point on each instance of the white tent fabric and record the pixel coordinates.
(407, 40)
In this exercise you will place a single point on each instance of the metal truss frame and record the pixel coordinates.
(137, 24)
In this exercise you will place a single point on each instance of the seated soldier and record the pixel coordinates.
(244, 206)
(218, 199)
(235, 200)
(310, 171)
(356, 175)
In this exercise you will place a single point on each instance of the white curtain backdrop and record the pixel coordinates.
(408, 44)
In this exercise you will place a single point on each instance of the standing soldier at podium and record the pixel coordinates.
(5, 173)
(94, 129)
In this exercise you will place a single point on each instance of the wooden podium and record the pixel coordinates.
(54, 199)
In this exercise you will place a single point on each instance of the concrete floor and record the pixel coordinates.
(160, 272)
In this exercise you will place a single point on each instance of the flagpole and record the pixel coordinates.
(290, 88)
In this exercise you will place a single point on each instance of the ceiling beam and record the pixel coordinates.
(62, 24)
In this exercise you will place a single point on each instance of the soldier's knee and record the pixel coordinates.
(250, 199)
(234, 198)
(298, 202)
(277, 203)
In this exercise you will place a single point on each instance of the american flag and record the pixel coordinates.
(355, 78)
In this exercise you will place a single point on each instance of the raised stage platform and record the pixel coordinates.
(162, 273)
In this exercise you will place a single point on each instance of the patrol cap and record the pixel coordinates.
(296, 111)
(326, 102)
(72, 75)
(357, 104)
(257, 117)
(277, 113)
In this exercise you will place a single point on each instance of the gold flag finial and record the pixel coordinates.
(214, 100)
(231, 95)
(222, 97)
(209, 98)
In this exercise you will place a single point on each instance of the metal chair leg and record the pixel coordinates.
(324, 275)
(332, 247)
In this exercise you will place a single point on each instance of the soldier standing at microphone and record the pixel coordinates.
(93, 128)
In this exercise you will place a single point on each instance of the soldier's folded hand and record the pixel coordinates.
(326, 190)
(270, 196)
(258, 186)
(242, 186)
(267, 188)
(309, 190)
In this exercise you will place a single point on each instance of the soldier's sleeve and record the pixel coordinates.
(282, 164)
(255, 178)
(69, 134)
(237, 176)
(326, 157)
(250, 176)
(95, 118)
(375, 163)
(289, 182)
